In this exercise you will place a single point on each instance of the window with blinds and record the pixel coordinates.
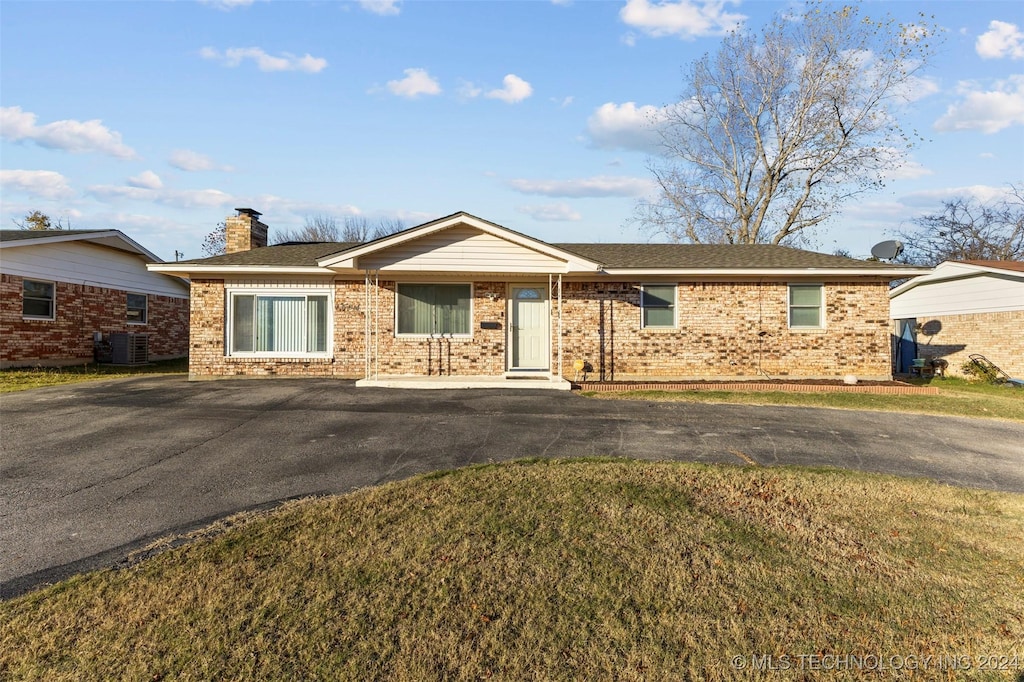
(285, 324)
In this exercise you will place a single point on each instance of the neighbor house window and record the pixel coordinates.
(805, 306)
(434, 309)
(658, 305)
(37, 299)
(279, 324)
(137, 313)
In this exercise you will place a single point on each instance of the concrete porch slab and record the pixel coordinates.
(440, 382)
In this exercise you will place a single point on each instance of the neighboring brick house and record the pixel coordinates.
(462, 296)
(963, 308)
(59, 289)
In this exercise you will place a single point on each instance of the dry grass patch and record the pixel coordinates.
(956, 397)
(552, 570)
(21, 379)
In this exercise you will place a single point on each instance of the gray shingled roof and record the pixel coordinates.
(282, 254)
(661, 256)
(711, 256)
(16, 235)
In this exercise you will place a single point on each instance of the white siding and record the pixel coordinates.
(82, 263)
(461, 249)
(982, 293)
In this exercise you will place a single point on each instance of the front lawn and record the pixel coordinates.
(956, 397)
(36, 377)
(560, 570)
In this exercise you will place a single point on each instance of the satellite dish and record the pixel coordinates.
(887, 250)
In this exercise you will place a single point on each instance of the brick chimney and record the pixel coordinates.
(245, 231)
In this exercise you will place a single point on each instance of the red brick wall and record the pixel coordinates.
(997, 336)
(719, 334)
(727, 330)
(81, 311)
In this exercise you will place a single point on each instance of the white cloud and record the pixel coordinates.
(468, 90)
(177, 198)
(514, 89)
(36, 183)
(227, 5)
(597, 186)
(626, 126)
(416, 82)
(932, 197)
(381, 7)
(909, 170)
(687, 19)
(564, 102)
(146, 180)
(67, 135)
(550, 212)
(188, 160)
(234, 56)
(1001, 40)
(988, 111)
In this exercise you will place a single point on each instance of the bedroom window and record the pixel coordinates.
(434, 309)
(37, 299)
(137, 309)
(658, 305)
(805, 306)
(279, 324)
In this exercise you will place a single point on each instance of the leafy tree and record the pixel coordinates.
(37, 220)
(216, 242)
(326, 228)
(777, 129)
(967, 229)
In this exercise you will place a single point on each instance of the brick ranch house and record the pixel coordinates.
(461, 296)
(959, 309)
(60, 288)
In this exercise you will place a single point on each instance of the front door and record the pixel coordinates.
(530, 333)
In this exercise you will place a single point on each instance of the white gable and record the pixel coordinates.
(461, 248)
(81, 262)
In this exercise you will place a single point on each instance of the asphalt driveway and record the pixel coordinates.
(90, 472)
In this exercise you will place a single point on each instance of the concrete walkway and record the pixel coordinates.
(89, 472)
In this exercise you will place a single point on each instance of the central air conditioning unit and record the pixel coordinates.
(129, 349)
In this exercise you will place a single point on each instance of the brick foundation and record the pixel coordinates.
(81, 311)
(997, 336)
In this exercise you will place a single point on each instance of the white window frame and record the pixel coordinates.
(53, 300)
(472, 300)
(145, 308)
(229, 316)
(675, 305)
(790, 306)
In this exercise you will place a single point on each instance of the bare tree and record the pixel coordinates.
(216, 242)
(967, 229)
(325, 228)
(37, 220)
(776, 130)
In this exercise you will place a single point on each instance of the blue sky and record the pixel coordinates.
(159, 118)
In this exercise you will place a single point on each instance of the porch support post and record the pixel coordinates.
(376, 324)
(366, 324)
(560, 325)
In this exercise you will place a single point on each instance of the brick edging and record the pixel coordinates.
(756, 387)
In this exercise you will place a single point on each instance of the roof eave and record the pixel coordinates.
(190, 271)
(94, 237)
(891, 273)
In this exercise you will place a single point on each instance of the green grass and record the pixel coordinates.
(553, 570)
(37, 377)
(956, 397)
